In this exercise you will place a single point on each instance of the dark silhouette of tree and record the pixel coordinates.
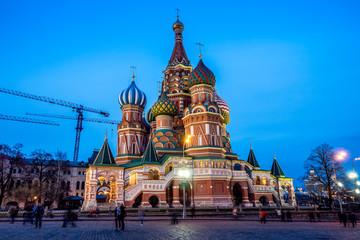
(10, 159)
(319, 173)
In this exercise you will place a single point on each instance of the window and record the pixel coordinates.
(79, 172)
(68, 185)
(14, 170)
(200, 140)
(77, 194)
(77, 185)
(133, 148)
(82, 185)
(237, 167)
(82, 194)
(68, 172)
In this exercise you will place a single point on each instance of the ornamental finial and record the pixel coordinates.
(177, 13)
(200, 45)
(274, 156)
(133, 73)
(250, 144)
(105, 135)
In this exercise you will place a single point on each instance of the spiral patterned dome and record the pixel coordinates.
(132, 95)
(149, 116)
(202, 75)
(164, 106)
(224, 107)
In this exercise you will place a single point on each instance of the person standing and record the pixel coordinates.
(117, 217)
(38, 213)
(122, 216)
(12, 212)
(344, 219)
(352, 219)
(235, 213)
(262, 216)
(141, 213)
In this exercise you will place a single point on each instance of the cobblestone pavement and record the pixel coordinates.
(184, 230)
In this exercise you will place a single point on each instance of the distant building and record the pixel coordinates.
(184, 132)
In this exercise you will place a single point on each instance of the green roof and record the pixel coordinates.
(276, 169)
(104, 156)
(150, 153)
(252, 159)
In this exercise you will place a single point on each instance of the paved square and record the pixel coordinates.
(184, 230)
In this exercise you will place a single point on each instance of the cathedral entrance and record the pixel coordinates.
(137, 201)
(103, 194)
(237, 194)
(154, 201)
(169, 193)
(264, 201)
(187, 194)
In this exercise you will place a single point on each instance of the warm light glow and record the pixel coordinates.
(341, 155)
(187, 140)
(35, 197)
(353, 175)
(188, 136)
(340, 184)
(357, 191)
(358, 183)
(185, 173)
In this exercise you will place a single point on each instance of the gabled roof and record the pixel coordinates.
(104, 156)
(252, 159)
(276, 169)
(150, 153)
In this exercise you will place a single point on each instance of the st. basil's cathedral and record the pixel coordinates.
(183, 131)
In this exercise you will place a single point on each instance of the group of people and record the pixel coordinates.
(29, 213)
(343, 218)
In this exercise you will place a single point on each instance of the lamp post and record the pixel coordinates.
(340, 156)
(184, 173)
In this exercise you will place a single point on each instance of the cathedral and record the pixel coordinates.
(179, 151)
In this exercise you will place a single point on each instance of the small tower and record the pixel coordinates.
(202, 119)
(252, 159)
(133, 130)
(164, 111)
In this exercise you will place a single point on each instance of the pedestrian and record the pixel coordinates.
(117, 217)
(27, 215)
(122, 217)
(141, 215)
(278, 213)
(235, 213)
(38, 213)
(289, 216)
(340, 217)
(70, 217)
(12, 213)
(263, 216)
(352, 219)
(174, 219)
(97, 212)
(344, 219)
(311, 216)
(193, 214)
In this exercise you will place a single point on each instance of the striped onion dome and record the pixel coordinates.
(132, 95)
(164, 106)
(202, 75)
(149, 116)
(224, 107)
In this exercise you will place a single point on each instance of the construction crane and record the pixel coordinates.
(98, 120)
(25, 119)
(76, 107)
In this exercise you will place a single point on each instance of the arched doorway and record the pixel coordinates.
(154, 201)
(187, 194)
(137, 201)
(103, 194)
(237, 194)
(264, 201)
(169, 193)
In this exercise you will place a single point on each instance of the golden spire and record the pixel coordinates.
(177, 13)
(133, 73)
(200, 45)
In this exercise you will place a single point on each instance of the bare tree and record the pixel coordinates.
(10, 158)
(42, 170)
(320, 165)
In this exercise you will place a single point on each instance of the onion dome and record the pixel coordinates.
(164, 106)
(178, 24)
(149, 116)
(132, 95)
(201, 75)
(224, 107)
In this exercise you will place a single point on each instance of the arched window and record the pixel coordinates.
(206, 164)
(63, 185)
(77, 185)
(68, 185)
(201, 164)
(237, 167)
(82, 185)
(218, 165)
(263, 180)
(257, 181)
(153, 174)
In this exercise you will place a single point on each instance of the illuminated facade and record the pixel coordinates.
(151, 152)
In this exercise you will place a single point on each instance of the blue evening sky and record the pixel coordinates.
(288, 69)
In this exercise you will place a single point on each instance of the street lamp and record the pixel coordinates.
(357, 190)
(339, 156)
(184, 173)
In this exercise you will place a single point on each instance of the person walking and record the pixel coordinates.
(262, 216)
(28, 215)
(278, 213)
(235, 213)
(344, 219)
(352, 219)
(12, 213)
(141, 213)
(174, 219)
(38, 213)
